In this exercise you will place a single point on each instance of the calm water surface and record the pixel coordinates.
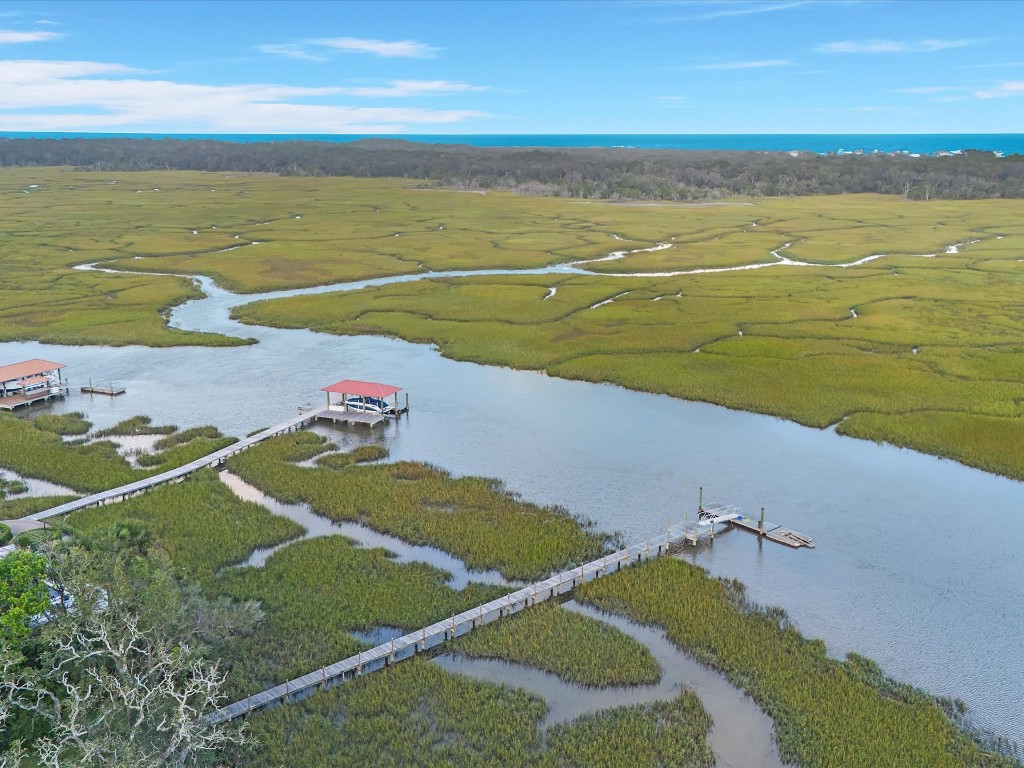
(917, 562)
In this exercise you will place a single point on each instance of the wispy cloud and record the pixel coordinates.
(729, 9)
(928, 90)
(86, 95)
(876, 45)
(402, 88)
(699, 10)
(409, 49)
(1011, 88)
(322, 48)
(726, 66)
(291, 51)
(12, 36)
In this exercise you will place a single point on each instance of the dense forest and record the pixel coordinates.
(635, 174)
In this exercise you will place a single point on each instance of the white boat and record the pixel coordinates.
(369, 405)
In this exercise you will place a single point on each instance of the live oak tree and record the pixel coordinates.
(121, 672)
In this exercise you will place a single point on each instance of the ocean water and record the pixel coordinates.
(821, 143)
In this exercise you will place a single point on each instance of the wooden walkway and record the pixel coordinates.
(424, 639)
(11, 402)
(213, 460)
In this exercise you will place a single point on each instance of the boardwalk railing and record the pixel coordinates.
(215, 459)
(424, 639)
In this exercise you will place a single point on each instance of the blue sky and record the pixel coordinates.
(700, 66)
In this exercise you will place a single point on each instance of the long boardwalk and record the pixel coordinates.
(424, 639)
(215, 459)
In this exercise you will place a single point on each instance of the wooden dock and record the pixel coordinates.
(12, 402)
(351, 416)
(111, 391)
(213, 460)
(422, 640)
(773, 532)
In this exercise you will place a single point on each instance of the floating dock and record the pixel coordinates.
(773, 532)
(111, 391)
(717, 517)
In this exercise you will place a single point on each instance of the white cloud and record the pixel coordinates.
(401, 88)
(927, 90)
(734, 65)
(1011, 88)
(290, 50)
(319, 50)
(738, 9)
(108, 98)
(12, 36)
(893, 46)
(391, 49)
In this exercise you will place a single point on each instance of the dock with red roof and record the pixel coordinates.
(362, 402)
(31, 381)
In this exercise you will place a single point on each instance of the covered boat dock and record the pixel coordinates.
(362, 402)
(30, 382)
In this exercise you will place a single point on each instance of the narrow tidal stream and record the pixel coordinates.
(741, 735)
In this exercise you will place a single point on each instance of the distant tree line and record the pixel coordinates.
(634, 174)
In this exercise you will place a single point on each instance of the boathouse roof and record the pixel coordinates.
(362, 388)
(27, 368)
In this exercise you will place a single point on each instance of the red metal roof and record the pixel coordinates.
(28, 368)
(362, 388)
(34, 380)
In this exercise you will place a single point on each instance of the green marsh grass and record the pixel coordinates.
(416, 715)
(63, 423)
(892, 337)
(136, 425)
(12, 509)
(579, 649)
(97, 466)
(474, 518)
(33, 452)
(316, 591)
(827, 713)
(182, 453)
(201, 524)
(663, 734)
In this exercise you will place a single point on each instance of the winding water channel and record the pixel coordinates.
(917, 558)
(741, 735)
